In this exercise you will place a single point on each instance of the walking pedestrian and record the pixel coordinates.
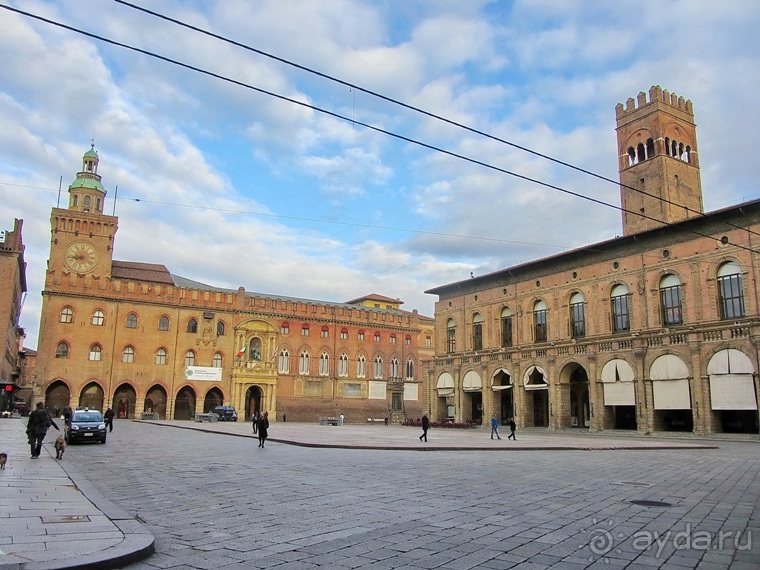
(255, 422)
(425, 426)
(108, 417)
(263, 428)
(36, 428)
(495, 427)
(512, 428)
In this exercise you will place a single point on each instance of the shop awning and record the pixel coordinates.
(617, 370)
(671, 394)
(732, 392)
(619, 394)
(500, 388)
(472, 382)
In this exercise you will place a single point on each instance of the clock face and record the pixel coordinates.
(81, 257)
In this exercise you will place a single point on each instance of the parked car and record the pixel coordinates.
(85, 425)
(226, 413)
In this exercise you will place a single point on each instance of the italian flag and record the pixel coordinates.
(241, 352)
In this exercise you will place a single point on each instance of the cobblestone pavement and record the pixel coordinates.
(217, 501)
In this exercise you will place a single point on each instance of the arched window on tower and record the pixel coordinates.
(87, 203)
(650, 148)
(62, 350)
(640, 153)
(631, 156)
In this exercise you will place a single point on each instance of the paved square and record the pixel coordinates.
(217, 501)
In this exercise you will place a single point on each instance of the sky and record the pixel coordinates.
(285, 182)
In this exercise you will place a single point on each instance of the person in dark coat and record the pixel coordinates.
(36, 429)
(67, 414)
(108, 417)
(425, 426)
(263, 428)
(512, 428)
(255, 421)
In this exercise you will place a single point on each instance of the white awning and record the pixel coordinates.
(732, 392)
(528, 372)
(671, 394)
(730, 361)
(472, 382)
(502, 370)
(619, 394)
(617, 370)
(443, 392)
(500, 388)
(445, 380)
(669, 367)
(536, 386)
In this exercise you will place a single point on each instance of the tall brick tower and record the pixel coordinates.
(659, 163)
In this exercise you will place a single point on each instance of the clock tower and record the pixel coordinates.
(81, 235)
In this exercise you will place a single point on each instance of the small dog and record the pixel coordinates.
(3, 460)
(60, 446)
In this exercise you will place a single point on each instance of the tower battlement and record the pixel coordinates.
(656, 95)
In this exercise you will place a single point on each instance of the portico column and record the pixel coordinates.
(597, 406)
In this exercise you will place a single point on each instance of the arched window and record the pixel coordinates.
(631, 156)
(96, 352)
(87, 203)
(670, 300)
(620, 300)
(540, 333)
(477, 332)
(163, 323)
(217, 361)
(506, 327)
(131, 321)
(410, 369)
(360, 335)
(730, 293)
(361, 366)
(161, 356)
(343, 365)
(303, 363)
(325, 332)
(324, 364)
(283, 364)
(392, 338)
(408, 340)
(344, 333)
(304, 329)
(285, 328)
(98, 318)
(641, 155)
(577, 315)
(190, 358)
(192, 326)
(62, 350)
(220, 328)
(451, 336)
(394, 368)
(378, 369)
(128, 354)
(67, 315)
(377, 337)
(650, 148)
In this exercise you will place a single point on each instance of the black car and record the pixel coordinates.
(226, 413)
(85, 425)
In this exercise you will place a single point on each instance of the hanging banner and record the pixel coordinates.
(204, 373)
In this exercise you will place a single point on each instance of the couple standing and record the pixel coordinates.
(261, 426)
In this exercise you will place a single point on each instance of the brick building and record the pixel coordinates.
(12, 290)
(657, 330)
(138, 338)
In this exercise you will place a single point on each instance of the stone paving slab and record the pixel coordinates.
(51, 517)
(378, 436)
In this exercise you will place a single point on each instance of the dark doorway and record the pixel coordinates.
(541, 408)
(213, 399)
(253, 398)
(739, 421)
(625, 417)
(57, 396)
(184, 404)
(124, 401)
(92, 397)
(155, 402)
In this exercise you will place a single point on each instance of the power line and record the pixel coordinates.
(353, 121)
(415, 109)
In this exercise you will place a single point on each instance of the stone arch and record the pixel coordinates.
(155, 401)
(214, 397)
(184, 403)
(124, 399)
(92, 396)
(57, 395)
